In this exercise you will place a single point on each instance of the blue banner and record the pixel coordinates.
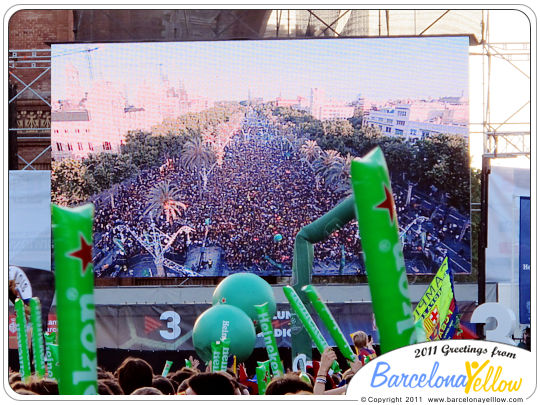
(525, 260)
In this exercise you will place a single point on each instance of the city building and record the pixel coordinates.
(327, 109)
(98, 120)
(419, 119)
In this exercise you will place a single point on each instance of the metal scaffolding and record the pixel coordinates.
(501, 139)
(35, 64)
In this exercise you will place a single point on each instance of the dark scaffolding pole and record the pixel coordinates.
(483, 237)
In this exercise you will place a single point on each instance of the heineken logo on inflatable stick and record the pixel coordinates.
(383, 255)
(216, 356)
(52, 355)
(75, 311)
(22, 341)
(263, 375)
(265, 322)
(166, 368)
(37, 337)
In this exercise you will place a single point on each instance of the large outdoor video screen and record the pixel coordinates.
(207, 158)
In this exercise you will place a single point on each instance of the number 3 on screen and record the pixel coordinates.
(173, 324)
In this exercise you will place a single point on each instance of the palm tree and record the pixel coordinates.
(164, 199)
(337, 176)
(310, 151)
(331, 157)
(196, 154)
(328, 161)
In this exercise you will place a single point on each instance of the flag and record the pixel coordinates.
(437, 309)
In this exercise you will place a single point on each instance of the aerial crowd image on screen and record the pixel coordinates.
(207, 158)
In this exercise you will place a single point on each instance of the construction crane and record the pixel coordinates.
(89, 60)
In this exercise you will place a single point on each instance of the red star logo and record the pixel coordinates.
(84, 253)
(388, 203)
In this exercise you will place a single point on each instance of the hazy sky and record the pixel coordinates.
(378, 68)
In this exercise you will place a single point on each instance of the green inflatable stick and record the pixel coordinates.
(263, 376)
(22, 340)
(166, 368)
(225, 345)
(329, 322)
(75, 311)
(188, 363)
(216, 356)
(265, 323)
(54, 359)
(317, 231)
(305, 377)
(383, 256)
(50, 338)
(309, 324)
(37, 337)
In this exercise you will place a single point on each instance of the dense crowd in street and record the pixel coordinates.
(252, 207)
(256, 194)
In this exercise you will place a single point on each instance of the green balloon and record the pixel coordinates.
(244, 291)
(209, 328)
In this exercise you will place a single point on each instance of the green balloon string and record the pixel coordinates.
(329, 322)
(166, 368)
(263, 375)
(22, 341)
(50, 339)
(307, 321)
(75, 310)
(383, 255)
(265, 323)
(216, 356)
(37, 337)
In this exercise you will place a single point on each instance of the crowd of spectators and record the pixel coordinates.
(433, 231)
(135, 376)
(257, 192)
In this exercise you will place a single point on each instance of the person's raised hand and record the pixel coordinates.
(356, 365)
(194, 362)
(327, 358)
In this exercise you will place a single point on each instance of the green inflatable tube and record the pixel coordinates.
(22, 341)
(263, 376)
(51, 354)
(307, 321)
(166, 368)
(225, 345)
(216, 356)
(37, 337)
(75, 311)
(385, 266)
(265, 323)
(317, 231)
(329, 322)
